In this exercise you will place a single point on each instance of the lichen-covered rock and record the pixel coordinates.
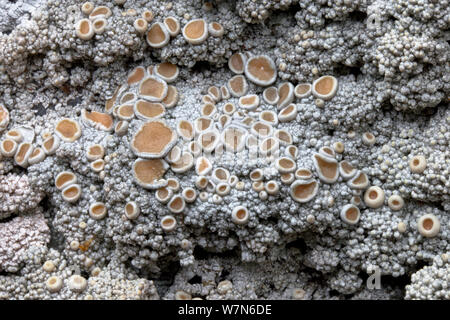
(317, 152)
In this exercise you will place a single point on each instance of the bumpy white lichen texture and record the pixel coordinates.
(118, 182)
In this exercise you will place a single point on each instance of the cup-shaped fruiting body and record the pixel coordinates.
(356, 200)
(148, 173)
(65, 179)
(201, 182)
(233, 180)
(174, 155)
(196, 31)
(87, 7)
(237, 86)
(360, 181)
(77, 283)
(121, 127)
(319, 103)
(23, 152)
(210, 186)
(220, 175)
(8, 147)
(99, 25)
(173, 184)
(396, 202)
(240, 185)
(325, 87)
(203, 124)
(171, 98)
(189, 194)
(4, 118)
(203, 166)
(286, 94)
(287, 178)
(208, 110)
(225, 92)
(95, 152)
(140, 25)
(261, 70)
(272, 187)
(350, 214)
(97, 210)
(100, 12)
(223, 189)
(346, 170)
(176, 204)
(303, 174)
(128, 97)
(303, 191)
(270, 95)
(186, 130)
(240, 215)
(283, 136)
(109, 103)
(68, 130)
(183, 165)
(326, 167)
(136, 75)
(261, 129)
(208, 140)
(147, 110)
(214, 93)
(374, 197)
(181, 295)
(288, 114)
(269, 117)
(234, 138)
(163, 194)
(327, 152)
(229, 108)
(15, 135)
(194, 148)
(215, 29)
(285, 165)
(71, 193)
(168, 223)
(84, 29)
(249, 102)
(158, 36)
(208, 99)
(132, 210)
(338, 147)
(269, 146)
(428, 225)
(418, 164)
(368, 138)
(166, 71)
(154, 139)
(258, 186)
(256, 175)
(302, 90)
(147, 15)
(54, 284)
(172, 25)
(36, 156)
(50, 145)
(236, 63)
(153, 89)
(291, 152)
(98, 120)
